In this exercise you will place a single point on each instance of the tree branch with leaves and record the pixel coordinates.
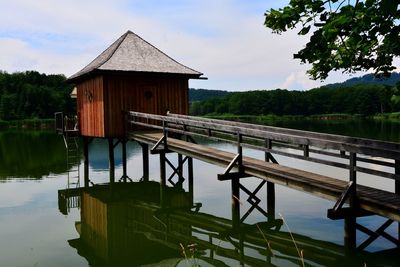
(347, 35)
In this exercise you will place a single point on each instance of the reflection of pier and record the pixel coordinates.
(123, 223)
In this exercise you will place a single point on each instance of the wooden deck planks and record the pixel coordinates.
(381, 202)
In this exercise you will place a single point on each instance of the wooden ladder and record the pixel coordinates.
(73, 162)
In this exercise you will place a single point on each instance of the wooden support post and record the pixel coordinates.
(397, 191)
(180, 171)
(145, 157)
(350, 235)
(124, 161)
(350, 222)
(235, 202)
(163, 179)
(353, 178)
(190, 178)
(271, 201)
(111, 160)
(86, 161)
(235, 184)
(270, 188)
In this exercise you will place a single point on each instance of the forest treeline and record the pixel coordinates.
(32, 95)
(363, 99)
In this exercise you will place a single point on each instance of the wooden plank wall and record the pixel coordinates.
(143, 93)
(91, 107)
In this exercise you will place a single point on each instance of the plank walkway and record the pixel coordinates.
(377, 201)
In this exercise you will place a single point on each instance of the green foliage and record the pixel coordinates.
(204, 94)
(29, 95)
(360, 99)
(348, 35)
(31, 154)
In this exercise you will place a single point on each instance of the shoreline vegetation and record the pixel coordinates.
(36, 124)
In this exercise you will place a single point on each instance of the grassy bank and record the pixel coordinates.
(394, 116)
(28, 124)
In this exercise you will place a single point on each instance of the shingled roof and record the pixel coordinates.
(131, 53)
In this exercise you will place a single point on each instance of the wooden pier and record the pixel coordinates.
(357, 155)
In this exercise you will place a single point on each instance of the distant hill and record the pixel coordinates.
(205, 94)
(368, 79)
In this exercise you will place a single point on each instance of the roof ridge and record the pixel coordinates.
(122, 37)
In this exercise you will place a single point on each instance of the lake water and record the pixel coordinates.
(129, 229)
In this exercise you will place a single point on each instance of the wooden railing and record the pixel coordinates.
(332, 150)
(65, 123)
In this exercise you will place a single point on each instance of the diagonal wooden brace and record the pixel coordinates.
(346, 193)
(161, 142)
(227, 175)
(337, 211)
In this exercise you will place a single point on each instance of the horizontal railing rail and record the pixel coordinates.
(327, 149)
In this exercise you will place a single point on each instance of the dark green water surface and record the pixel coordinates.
(124, 225)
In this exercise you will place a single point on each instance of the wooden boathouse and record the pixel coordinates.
(133, 91)
(130, 75)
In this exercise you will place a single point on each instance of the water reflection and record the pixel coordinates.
(125, 225)
(31, 154)
(99, 157)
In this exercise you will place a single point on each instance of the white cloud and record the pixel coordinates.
(224, 39)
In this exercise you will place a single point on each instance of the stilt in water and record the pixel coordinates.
(350, 230)
(124, 161)
(145, 156)
(111, 160)
(162, 179)
(86, 161)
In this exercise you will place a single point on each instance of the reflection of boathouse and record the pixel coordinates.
(121, 225)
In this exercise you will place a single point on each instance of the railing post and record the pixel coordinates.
(165, 134)
(240, 152)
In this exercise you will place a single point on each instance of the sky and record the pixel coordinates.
(224, 39)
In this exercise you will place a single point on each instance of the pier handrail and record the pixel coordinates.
(336, 148)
